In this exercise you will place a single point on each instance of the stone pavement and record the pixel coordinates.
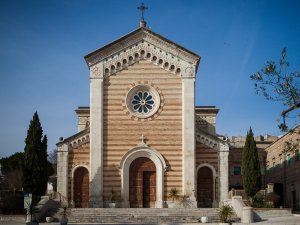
(280, 220)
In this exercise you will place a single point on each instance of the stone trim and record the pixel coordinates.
(222, 146)
(82, 136)
(136, 36)
(96, 138)
(211, 141)
(160, 165)
(159, 95)
(215, 176)
(62, 169)
(188, 140)
(146, 51)
(72, 178)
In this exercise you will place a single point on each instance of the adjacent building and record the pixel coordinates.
(236, 157)
(283, 168)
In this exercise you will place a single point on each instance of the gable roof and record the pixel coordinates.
(141, 29)
(139, 35)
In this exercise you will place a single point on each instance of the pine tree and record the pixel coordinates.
(36, 166)
(250, 166)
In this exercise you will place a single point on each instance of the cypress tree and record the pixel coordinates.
(35, 166)
(250, 166)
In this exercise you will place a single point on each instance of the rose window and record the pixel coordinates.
(142, 102)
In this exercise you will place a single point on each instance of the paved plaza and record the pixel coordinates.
(280, 220)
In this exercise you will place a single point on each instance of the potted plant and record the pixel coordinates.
(113, 199)
(225, 213)
(64, 212)
(173, 194)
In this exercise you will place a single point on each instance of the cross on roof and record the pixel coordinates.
(142, 8)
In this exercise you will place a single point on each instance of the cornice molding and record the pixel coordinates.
(212, 141)
(77, 139)
(142, 45)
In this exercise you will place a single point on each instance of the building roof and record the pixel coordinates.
(137, 36)
(140, 29)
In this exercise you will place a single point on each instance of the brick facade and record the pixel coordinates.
(283, 168)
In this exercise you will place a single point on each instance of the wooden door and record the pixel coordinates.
(149, 186)
(205, 188)
(81, 187)
(142, 183)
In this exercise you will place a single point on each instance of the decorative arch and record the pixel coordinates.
(214, 174)
(74, 168)
(209, 166)
(160, 165)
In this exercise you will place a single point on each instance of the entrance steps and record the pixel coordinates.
(141, 215)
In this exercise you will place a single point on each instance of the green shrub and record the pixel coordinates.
(258, 200)
(225, 213)
(273, 198)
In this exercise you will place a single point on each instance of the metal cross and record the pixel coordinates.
(142, 8)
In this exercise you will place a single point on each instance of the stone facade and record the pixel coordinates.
(283, 168)
(142, 108)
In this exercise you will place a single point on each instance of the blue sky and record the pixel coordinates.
(42, 45)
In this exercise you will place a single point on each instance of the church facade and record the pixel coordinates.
(142, 135)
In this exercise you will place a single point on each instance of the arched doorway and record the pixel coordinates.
(81, 187)
(205, 187)
(278, 188)
(142, 183)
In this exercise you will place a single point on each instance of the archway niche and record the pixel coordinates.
(81, 187)
(160, 166)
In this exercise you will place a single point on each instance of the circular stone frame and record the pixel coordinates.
(142, 88)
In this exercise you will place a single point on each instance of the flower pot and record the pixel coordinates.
(112, 205)
(64, 221)
(49, 219)
(204, 219)
(172, 205)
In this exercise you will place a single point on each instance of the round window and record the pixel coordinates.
(142, 101)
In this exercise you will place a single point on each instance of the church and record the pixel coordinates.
(142, 135)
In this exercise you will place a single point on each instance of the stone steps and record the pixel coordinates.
(141, 215)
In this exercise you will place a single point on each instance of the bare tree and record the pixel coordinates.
(277, 82)
(52, 158)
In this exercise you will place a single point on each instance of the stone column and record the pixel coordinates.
(188, 139)
(96, 136)
(62, 169)
(223, 171)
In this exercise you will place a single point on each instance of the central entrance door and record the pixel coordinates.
(142, 183)
(205, 187)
